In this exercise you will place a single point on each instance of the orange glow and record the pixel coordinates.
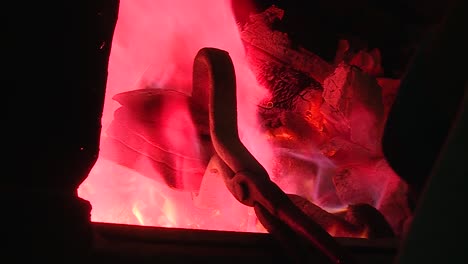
(364, 234)
(337, 231)
(280, 134)
(334, 230)
(138, 214)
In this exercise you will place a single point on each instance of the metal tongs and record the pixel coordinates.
(214, 81)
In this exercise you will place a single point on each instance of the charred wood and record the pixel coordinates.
(260, 37)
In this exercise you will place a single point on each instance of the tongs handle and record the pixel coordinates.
(214, 78)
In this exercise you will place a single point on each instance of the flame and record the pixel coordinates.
(170, 213)
(363, 234)
(138, 214)
(154, 45)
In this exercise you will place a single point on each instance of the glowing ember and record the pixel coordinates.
(154, 164)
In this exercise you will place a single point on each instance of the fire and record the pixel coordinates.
(363, 234)
(169, 213)
(154, 166)
(154, 45)
(138, 214)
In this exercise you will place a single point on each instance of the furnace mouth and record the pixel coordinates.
(314, 125)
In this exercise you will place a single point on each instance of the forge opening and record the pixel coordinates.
(314, 124)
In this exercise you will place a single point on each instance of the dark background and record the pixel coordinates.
(395, 27)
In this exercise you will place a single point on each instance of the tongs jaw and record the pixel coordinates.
(249, 182)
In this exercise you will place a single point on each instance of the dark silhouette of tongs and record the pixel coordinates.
(214, 82)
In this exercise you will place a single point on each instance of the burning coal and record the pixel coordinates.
(314, 126)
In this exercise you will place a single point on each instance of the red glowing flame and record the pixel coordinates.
(154, 45)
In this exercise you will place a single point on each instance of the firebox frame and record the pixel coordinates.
(140, 244)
